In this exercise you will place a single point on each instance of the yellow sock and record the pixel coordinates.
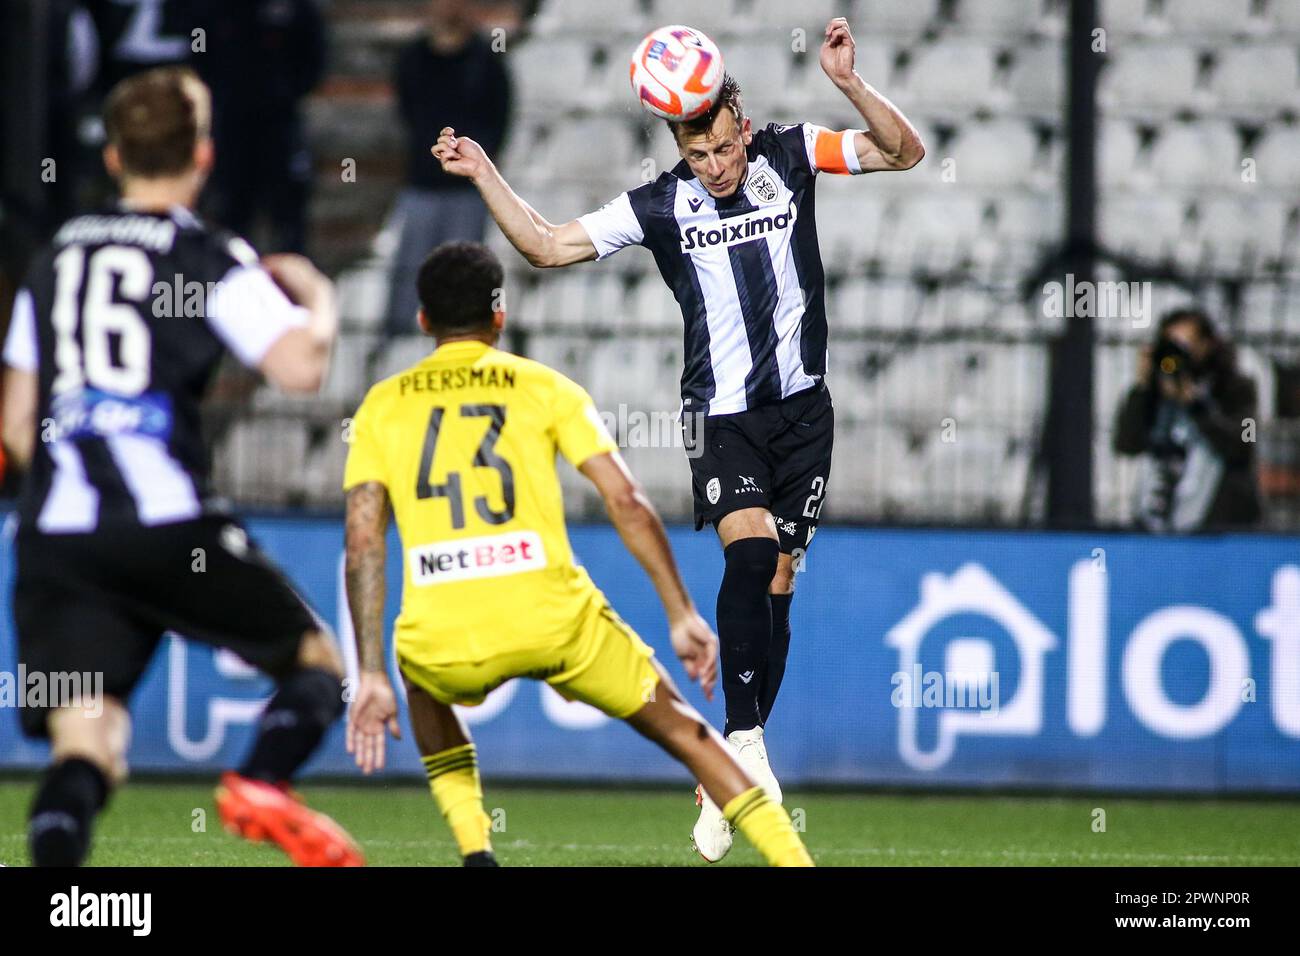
(767, 826)
(453, 778)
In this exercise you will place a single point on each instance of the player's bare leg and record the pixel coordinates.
(451, 764)
(256, 802)
(671, 722)
(87, 760)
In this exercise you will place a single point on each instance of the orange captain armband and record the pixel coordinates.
(833, 151)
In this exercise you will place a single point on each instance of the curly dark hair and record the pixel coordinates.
(459, 285)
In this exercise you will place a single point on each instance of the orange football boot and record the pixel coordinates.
(260, 811)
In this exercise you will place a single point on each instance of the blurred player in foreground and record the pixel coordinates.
(115, 513)
(733, 232)
(463, 445)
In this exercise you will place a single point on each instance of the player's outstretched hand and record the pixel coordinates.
(373, 710)
(838, 51)
(696, 646)
(459, 155)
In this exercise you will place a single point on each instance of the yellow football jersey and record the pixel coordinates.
(465, 443)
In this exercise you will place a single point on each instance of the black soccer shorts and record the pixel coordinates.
(776, 457)
(99, 603)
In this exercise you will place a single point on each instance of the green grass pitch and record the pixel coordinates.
(174, 824)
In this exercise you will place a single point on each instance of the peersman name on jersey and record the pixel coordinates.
(446, 379)
(147, 231)
(741, 229)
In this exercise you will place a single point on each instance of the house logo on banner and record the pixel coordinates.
(973, 590)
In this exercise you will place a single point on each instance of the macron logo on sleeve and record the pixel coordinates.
(470, 558)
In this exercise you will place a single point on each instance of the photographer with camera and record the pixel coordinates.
(1187, 415)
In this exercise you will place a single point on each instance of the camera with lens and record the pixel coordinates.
(1171, 360)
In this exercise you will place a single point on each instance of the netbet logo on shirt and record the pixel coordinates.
(470, 558)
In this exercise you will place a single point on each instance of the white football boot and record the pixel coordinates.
(711, 836)
(753, 757)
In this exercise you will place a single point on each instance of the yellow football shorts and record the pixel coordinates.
(605, 664)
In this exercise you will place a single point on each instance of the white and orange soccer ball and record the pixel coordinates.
(676, 73)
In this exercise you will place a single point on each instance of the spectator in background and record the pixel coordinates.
(262, 59)
(1186, 416)
(450, 76)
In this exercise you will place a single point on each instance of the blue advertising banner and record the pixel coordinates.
(943, 658)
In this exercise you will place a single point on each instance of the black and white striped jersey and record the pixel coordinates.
(745, 270)
(124, 318)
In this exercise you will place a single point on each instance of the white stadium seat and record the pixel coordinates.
(952, 76)
(716, 18)
(1004, 18)
(1140, 78)
(1118, 152)
(1037, 79)
(1213, 18)
(589, 16)
(1276, 158)
(1140, 224)
(1258, 78)
(762, 67)
(894, 17)
(1197, 154)
(1000, 152)
(1232, 224)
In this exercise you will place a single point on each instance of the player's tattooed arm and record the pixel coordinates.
(366, 527)
(890, 141)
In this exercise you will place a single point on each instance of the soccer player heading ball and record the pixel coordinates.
(732, 232)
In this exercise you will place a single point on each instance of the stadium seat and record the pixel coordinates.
(590, 16)
(1005, 18)
(1037, 79)
(1119, 151)
(1127, 17)
(610, 151)
(347, 379)
(1275, 155)
(1141, 224)
(762, 66)
(650, 304)
(1000, 152)
(899, 18)
(1034, 218)
(810, 16)
(849, 221)
(942, 222)
(1285, 18)
(363, 294)
(1258, 78)
(1144, 77)
(951, 77)
(1206, 153)
(1241, 229)
(717, 19)
(555, 69)
(1214, 18)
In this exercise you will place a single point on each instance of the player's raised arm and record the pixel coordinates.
(544, 244)
(890, 141)
(298, 360)
(374, 708)
(643, 534)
